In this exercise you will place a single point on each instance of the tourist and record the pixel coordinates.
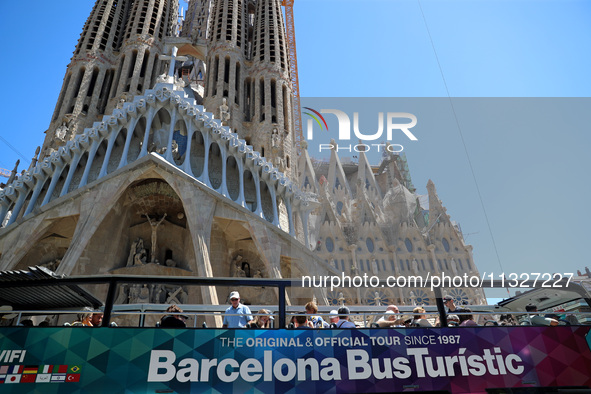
(237, 315)
(262, 320)
(317, 321)
(83, 318)
(175, 319)
(467, 320)
(420, 318)
(453, 320)
(301, 321)
(97, 319)
(333, 316)
(448, 301)
(344, 321)
(384, 320)
(538, 320)
(391, 319)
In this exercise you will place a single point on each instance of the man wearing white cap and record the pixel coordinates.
(237, 315)
(333, 316)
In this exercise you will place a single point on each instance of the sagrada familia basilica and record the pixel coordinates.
(172, 152)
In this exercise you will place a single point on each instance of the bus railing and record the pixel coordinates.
(281, 310)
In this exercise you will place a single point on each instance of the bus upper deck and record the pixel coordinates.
(134, 355)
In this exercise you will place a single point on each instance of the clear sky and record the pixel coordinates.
(532, 169)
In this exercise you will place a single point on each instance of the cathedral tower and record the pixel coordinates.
(248, 83)
(115, 59)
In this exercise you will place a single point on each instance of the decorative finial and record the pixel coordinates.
(173, 58)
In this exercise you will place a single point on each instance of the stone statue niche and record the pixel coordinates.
(241, 268)
(141, 254)
(137, 254)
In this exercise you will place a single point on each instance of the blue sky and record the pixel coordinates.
(532, 171)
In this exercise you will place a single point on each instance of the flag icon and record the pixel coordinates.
(74, 369)
(2, 378)
(58, 377)
(45, 369)
(28, 378)
(74, 377)
(3, 369)
(13, 378)
(15, 369)
(60, 368)
(43, 378)
(30, 369)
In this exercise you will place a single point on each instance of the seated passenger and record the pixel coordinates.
(333, 316)
(390, 319)
(383, 321)
(538, 320)
(344, 321)
(97, 319)
(467, 320)
(173, 321)
(301, 321)
(453, 320)
(263, 320)
(84, 318)
(420, 318)
(317, 321)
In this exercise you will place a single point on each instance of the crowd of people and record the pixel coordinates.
(238, 315)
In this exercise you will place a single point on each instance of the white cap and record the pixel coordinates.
(234, 294)
(334, 313)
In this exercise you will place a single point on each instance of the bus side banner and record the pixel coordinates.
(462, 360)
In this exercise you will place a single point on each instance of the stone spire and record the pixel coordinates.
(248, 68)
(116, 58)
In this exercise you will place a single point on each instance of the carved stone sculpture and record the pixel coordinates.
(224, 112)
(154, 226)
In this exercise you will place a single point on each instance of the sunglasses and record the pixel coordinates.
(233, 299)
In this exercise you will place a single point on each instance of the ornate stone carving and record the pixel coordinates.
(154, 226)
(137, 253)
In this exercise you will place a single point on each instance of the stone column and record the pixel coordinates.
(273, 193)
(257, 185)
(112, 138)
(149, 118)
(130, 129)
(91, 153)
(241, 198)
(168, 154)
(54, 179)
(224, 155)
(186, 166)
(205, 173)
(199, 208)
(38, 187)
(73, 166)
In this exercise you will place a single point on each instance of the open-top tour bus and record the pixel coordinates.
(134, 355)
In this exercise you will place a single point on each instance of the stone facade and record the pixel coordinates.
(115, 59)
(184, 177)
